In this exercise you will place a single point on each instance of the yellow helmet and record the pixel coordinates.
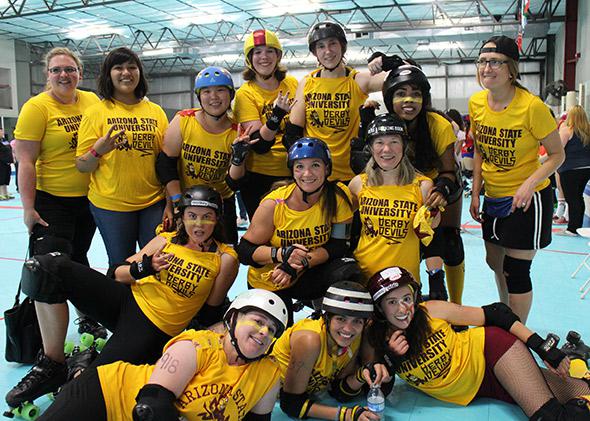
(258, 38)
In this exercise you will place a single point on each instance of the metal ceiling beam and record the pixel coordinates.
(52, 7)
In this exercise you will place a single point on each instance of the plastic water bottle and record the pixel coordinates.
(376, 400)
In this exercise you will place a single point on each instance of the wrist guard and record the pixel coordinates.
(274, 121)
(140, 270)
(239, 152)
(546, 349)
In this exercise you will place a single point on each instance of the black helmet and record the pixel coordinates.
(347, 298)
(405, 74)
(203, 197)
(323, 30)
(387, 124)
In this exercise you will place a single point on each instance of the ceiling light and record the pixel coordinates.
(86, 31)
(157, 52)
(220, 58)
(283, 7)
(444, 45)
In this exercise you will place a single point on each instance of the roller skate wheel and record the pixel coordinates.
(68, 347)
(578, 368)
(100, 343)
(29, 412)
(87, 339)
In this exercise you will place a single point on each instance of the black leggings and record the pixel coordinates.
(573, 183)
(81, 399)
(135, 338)
(255, 186)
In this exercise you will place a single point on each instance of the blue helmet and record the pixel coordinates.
(309, 147)
(214, 76)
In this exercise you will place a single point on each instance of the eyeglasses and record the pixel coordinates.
(68, 69)
(494, 64)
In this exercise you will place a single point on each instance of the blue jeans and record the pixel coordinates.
(121, 231)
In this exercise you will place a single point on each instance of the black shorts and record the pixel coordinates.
(530, 230)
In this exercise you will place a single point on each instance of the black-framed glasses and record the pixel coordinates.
(68, 69)
(494, 64)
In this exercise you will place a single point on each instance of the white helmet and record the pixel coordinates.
(260, 300)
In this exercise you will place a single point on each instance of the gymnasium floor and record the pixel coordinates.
(557, 308)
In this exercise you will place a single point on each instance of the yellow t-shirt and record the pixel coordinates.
(216, 391)
(332, 115)
(308, 228)
(255, 103)
(442, 135)
(327, 366)
(205, 157)
(387, 235)
(451, 367)
(509, 140)
(171, 298)
(55, 125)
(125, 179)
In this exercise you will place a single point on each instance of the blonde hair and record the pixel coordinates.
(407, 172)
(577, 120)
(61, 51)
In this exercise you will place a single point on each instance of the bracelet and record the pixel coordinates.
(342, 413)
(273, 254)
(337, 418)
(94, 153)
(175, 197)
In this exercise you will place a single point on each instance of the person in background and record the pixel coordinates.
(119, 140)
(6, 158)
(509, 123)
(574, 173)
(53, 192)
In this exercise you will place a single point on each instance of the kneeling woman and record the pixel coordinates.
(388, 194)
(491, 361)
(316, 353)
(202, 375)
(298, 234)
(153, 297)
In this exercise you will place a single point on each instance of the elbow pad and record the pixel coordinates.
(166, 168)
(155, 402)
(500, 315)
(263, 145)
(250, 416)
(295, 405)
(293, 133)
(336, 248)
(245, 251)
(342, 392)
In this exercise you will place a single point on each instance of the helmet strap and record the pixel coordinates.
(335, 67)
(231, 328)
(307, 194)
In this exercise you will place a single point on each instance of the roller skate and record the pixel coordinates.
(46, 376)
(79, 360)
(579, 354)
(436, 286)
(88, 325)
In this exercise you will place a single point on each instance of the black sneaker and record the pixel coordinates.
(436, 287)
(46, 376)
(79, 361)
(88, 325)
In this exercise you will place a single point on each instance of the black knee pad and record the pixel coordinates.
(454, 253)
(577, 409)
(518, 275)
(41, 277)
(343, 269)
(43, 242)
(437, 246)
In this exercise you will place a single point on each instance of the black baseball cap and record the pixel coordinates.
(504, 45)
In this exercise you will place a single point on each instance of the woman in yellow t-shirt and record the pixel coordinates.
(53, 192)
(119, 140)
(509, 124)
(417, 342)
(316, 355)
(202, 375)
(144, 301)
(197, 148)
(262, 104)
(388, 196)
(329, 98)
(296, 243)
(406, 93)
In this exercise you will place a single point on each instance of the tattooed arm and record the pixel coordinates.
(176, 367)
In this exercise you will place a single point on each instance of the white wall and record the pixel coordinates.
(8, 91)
